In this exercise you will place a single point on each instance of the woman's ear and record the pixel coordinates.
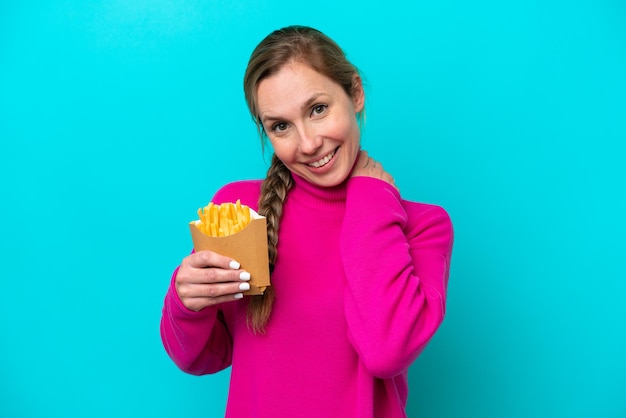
(358, 94)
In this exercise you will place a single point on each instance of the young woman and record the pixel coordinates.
(359, 275)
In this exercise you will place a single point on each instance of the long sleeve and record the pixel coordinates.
(198, 342)
(396, 257)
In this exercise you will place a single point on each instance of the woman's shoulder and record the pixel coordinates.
(425, 216)
(247, 191)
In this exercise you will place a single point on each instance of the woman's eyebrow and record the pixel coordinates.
(311, 100)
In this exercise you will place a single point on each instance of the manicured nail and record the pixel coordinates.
(238, 295)
(244, 286)
(234, 265)
(244, 275)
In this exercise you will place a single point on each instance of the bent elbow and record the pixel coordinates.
(388, 357)
(384, 365)
(201, 366)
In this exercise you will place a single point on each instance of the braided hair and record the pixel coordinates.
(290, 44)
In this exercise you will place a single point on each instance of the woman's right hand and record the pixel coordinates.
(206, 278)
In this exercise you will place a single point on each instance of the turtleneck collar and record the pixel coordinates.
(324, 198)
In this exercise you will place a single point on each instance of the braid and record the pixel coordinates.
(273, 194)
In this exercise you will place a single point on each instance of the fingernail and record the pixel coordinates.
(234, 265)
(244, 286)
(244, 275)
(238, 295)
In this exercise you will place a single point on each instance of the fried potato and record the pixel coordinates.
(223, 220)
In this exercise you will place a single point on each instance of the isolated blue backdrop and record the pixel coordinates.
(119, 118)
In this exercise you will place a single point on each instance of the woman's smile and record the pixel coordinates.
(324, 160)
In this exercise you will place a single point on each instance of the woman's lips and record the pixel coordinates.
(323, 161)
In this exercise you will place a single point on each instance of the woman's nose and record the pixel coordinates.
(309, 140)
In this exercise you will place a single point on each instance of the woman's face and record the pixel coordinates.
(311, 123)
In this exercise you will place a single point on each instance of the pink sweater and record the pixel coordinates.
(360, 285)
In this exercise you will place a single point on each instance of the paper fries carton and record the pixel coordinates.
(248, 247)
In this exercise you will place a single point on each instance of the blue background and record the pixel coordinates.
(119, 118)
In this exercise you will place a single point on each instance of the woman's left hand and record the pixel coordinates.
(366, 166)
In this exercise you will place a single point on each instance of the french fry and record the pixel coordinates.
(223, 220)
(202, 221)
(213, 212)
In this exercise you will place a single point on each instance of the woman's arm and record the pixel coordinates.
(193, 329)
(197, 342)
(396, 256)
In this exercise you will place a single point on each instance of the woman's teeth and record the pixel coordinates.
(323, 161)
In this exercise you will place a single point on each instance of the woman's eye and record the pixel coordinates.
(318, 109)
(280, 126)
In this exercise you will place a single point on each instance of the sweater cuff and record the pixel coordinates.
(373, 206)
(370, 186)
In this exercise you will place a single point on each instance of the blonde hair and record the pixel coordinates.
(290, 44)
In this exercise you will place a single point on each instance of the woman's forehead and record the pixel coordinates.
(293, 86)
